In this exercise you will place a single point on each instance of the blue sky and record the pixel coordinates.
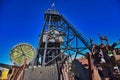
(22, 20)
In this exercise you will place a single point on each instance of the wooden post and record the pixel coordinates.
(90, 66)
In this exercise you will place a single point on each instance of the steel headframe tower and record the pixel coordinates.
(59, 37)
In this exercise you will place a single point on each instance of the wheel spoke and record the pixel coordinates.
(18, 57)
(28, 51)
(21, 48)
(28, 56)
(17, 51)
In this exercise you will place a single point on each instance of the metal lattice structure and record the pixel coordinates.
(59, 37)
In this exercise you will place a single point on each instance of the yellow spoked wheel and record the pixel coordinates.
(20, 52)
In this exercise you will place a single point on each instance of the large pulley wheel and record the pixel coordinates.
(21, 52)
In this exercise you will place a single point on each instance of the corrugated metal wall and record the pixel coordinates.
(41, 73)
